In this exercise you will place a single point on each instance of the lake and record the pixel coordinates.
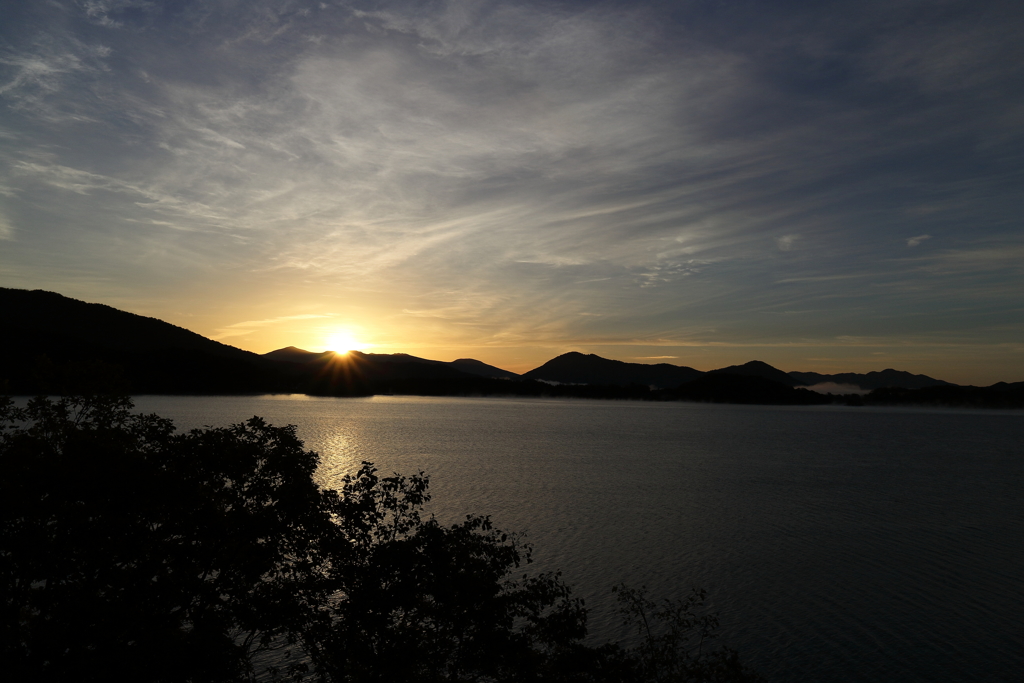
(838, 544)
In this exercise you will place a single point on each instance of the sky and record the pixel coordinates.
(827, 186)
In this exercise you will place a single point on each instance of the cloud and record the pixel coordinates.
(512, 170)
(71, 179)
(983, 257)
(250, 326)
(103, 12)
(39, 78)
(785, 242)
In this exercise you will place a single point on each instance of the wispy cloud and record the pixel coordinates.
(981, 259)
(514, 171)
(6, 228)
(250, 326)
(785, 242)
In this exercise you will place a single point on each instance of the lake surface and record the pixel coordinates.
(838, 544)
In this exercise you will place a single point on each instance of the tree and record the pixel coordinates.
(675, 641)
(424, 602)
(128, 548)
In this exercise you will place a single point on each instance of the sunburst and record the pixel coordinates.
(342, 341)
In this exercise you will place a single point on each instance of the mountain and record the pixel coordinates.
(870, 380)
(578, 368)
(293, 354)
(756, 368)
(53, 343)
(475, 367)
(759, 382)
(51, 320)
(393, 366)
(466, 366)
(399, 362)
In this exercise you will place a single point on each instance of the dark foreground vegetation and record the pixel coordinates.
(129, 551)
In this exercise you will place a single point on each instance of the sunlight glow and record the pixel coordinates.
(342, 341)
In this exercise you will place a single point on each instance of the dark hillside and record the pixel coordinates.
(390, 364)
(475, 367)
(54, 344)
(292, 354)
(756, 368)
(870, 380)
(49, 340)
(578, 368)
(1000, 395)
(60, 322)
(467, 366)
(744, 389)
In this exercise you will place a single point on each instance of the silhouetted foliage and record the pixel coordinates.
(163, 556)
(425, 602)
(676, 637)
(130, 551)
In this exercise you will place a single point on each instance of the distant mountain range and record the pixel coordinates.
(52, 343)
(578, 368)
(871, 380)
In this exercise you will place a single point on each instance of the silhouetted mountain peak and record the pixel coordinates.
(398, 358)
(579, 368)
(479, 368)
(757, 368)
(293, 354)
(147, 355)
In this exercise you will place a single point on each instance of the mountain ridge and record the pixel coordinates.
(578, 368)
(153, 356)
(876, 379)
(471, 366)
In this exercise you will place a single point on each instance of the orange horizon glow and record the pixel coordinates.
(342, 341)
(325, 327)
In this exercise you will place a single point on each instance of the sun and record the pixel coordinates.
(342, 341)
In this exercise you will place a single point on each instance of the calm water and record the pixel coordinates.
(838, 544)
